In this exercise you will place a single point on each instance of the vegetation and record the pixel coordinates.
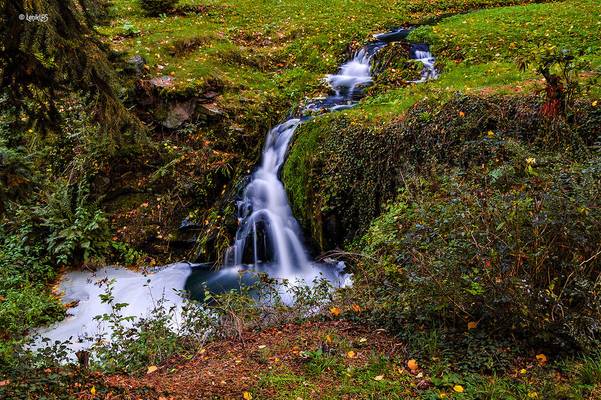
(467, 208)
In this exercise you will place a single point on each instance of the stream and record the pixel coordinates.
(269, 239)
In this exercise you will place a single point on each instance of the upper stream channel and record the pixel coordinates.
(269, 239)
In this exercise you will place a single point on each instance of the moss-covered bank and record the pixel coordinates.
(341, 169)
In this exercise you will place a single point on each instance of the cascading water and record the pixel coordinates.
(268, 232)
(421, 52)
(264, 215)
(268, 240)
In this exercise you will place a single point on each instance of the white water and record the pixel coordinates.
(268, 231)
(139, 291)
(422, 54)
(268, 239)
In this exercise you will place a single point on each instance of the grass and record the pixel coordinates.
(383, 378)
(477, 52)
(275, 41)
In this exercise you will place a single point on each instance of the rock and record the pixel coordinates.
(178, 113)
(136, 64)
(211, 110)
(162, 81)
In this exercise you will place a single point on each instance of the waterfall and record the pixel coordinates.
(421, 53)
(267, 231)
(268, 239)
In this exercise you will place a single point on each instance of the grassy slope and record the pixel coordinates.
(264, 45)
(478, 51)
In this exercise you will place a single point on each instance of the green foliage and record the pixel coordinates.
(136, 343)
(77, 231)
(157, 7)
(15, 175)
(455, 248)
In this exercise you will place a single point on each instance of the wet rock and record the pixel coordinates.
(136, 64)
(164, 81)
(178, 113)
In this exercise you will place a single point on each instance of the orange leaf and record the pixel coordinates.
(412, 364)
(335, 311)
(542, 359)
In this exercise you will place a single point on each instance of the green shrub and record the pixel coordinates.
(517, 259)
(157, 7)
(76, 229)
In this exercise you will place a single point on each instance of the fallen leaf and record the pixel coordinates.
(362, 340)
(351, 354)
(458, 388)
(262, 346)
(151, 369)
(461, 114)
(93, 390)
(356, 308)
(328, 339)
(595, 103)
(378, 378)
(4, 382)
(472, 325)
(247, 396)
(412, 364)
(523, 371)
(542, 359)
(335, 311)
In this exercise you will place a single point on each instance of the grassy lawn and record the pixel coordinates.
(262, 47)
(477, 52)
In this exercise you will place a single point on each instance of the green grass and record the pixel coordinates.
(478, 51)
(274, 40)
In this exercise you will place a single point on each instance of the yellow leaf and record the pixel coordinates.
(533, 395)
(362, 340)
(335, 311)
(328, 339)
(523, 371)
(351, 354)
(490, 134)
(442, 396)
(247, 396)
(542, 359)
(595, 103)
(412, 364)
(472, 325)
(378, 378)
(93, 390)
(458, 388)
(461, 114)
(151, 369)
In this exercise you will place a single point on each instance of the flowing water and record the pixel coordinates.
(269, 239)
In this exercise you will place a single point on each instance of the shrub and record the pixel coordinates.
(518, 258)
(157, 7)
(76, 229)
